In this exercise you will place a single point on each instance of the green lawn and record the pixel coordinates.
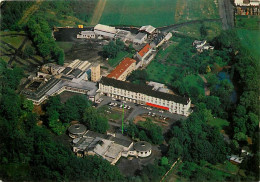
(250, 39)
(193, 30)
(248, 22)
(14, 40)
(159, 72)
(120, 56)
(139, 12)
(219, 123)
(194, 81)
(156, 12)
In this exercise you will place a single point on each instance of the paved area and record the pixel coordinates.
(138, 109)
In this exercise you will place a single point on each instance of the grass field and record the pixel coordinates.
(159, 72)
(251, 40)
(7, 52)
(156, 12)
(115, 61)
(248, 31)
(194, 81)
(193, 30)
(219, 123)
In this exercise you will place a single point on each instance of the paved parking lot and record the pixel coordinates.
(139, 109)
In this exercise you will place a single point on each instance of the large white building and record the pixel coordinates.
(144, 94)
(105, 31)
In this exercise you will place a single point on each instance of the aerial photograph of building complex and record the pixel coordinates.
(129, 90)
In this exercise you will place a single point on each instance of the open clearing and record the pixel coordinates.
(248, 32)
(12, 45)
(156, 13)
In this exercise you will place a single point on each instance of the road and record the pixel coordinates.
(226, 13)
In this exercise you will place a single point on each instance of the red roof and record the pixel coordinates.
(144, 50)
(121, 68)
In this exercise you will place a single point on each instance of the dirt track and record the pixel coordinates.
(226, 13)
(98, 12)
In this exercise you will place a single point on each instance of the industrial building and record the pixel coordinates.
(140, 38)
(105, 31)
(148, 29)
(144, 94)
(123, 69)
(86, 35)
(124, 35)
(73, 78)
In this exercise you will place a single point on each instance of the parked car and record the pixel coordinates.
(149, 113)
(125, 106)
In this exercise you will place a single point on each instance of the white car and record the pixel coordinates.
(121, 106)
(115, 104)
(153, 114)
(125, 106)
(129, 107)
(113, 99)
(149, 113)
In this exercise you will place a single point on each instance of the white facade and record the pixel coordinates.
(105, 31)
(141, 98)
(86, 35)
(251, 3)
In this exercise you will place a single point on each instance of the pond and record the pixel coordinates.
(223, 76)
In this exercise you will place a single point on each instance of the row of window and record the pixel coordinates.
(141, 97)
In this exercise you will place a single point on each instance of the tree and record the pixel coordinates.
(203, 31)
(94, 121)
(29, 51)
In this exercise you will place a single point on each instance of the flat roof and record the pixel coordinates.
(145, 89)
(121, 68)
(140, 35)
(144, 50)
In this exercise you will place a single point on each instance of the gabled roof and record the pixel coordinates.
(105, 28)
(117, 72)
(148, 28)
(140, 36)
(144, 50)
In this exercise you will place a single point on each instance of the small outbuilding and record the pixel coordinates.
(77, 130)
(143, 149)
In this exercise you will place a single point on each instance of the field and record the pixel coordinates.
(12, 47)
(156, 13)
(159, 72)
(248, 31)
(250, 39)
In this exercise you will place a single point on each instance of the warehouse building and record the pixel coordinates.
(124, 35)
(140, 38)
(86, 35)
(123, 69)
(144, 94)
(105, 31)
